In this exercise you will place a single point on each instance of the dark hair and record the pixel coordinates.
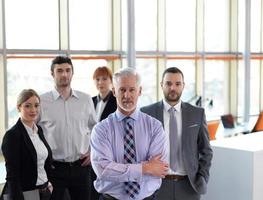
(26, 94)
(172, 70)
(61, 60)
(102, 71)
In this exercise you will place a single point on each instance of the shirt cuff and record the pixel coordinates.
(135, 172)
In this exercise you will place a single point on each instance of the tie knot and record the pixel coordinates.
(171, 110)
(128, 120)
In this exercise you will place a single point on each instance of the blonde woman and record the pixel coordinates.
(26, 152)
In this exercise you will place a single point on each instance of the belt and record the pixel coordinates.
(42, 188)
(108, 197)
(67, 164)
(175, 177)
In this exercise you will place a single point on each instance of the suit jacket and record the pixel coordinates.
(196, 149)
(110, 107)
(21, 160)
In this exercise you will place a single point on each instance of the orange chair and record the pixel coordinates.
(259, 124)
(212, 128)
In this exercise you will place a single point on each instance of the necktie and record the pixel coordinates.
(131, 188)
(173, 138)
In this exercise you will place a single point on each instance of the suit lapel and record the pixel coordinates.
(184, 121)
(159, 111)
(28, 141)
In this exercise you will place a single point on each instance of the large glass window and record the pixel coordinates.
(254, 87)
(147, 67)
(256, 13)
(83, 75)
(215, 99)
(90, 24)
(24, 74)
(180, 25)
(216, 25)
(145, 25)
(32, 24)
(241, 25)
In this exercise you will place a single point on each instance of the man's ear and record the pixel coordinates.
(140, 90)
(18, 108)
(113, 91)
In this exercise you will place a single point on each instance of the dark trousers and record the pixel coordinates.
(71, 178)
(45, 195)
(177, 190)
(94, 195)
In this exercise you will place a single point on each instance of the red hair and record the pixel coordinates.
(102, 71)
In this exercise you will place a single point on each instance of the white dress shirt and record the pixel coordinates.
(180, 169)
(100, 108)
(41, 151)
(67, 124)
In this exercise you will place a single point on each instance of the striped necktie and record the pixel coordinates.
(173, 138)
(131, 188)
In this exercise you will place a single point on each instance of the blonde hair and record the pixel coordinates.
(24, 95)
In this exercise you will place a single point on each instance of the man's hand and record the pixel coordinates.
(85, 158)
(155, 167)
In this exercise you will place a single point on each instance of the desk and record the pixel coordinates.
(239, 129)
(237, 168)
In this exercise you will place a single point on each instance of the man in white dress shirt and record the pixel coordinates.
(67, 117)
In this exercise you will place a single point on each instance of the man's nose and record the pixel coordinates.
(127, 94)
(173, 87)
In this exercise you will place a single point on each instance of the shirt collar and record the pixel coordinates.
(168, 106)
(31, 131)
(134, 115)
(56, 94)
(105, 99)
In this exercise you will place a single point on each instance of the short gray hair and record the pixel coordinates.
(125, 72)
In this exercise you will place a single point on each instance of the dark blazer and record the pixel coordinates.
(196, 149)
(110, 107)
(21, 160)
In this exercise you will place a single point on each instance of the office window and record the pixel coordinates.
(180, 25)
(256, 25)
(24, 74)
(124, 25)
(240, 89)
(83, 75)
(90, 24)
(254, 87)
(145, 25)
(32, 24)
(145, 68)
(215, 88)
(188, 69)
(241, 26)
(216, 25)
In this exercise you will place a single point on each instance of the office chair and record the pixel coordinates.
(228, 121)
(259, 124)
(212, 127)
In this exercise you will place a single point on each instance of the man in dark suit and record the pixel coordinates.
(189, 147)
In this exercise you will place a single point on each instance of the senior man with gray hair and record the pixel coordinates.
(128, 149)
